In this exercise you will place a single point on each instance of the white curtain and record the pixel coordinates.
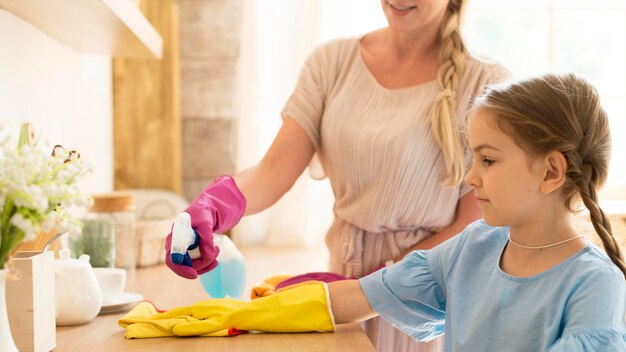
(277, 37)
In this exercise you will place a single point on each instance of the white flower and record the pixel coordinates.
(31, 197)
(38, 188)
(48, 224)
(24, 224)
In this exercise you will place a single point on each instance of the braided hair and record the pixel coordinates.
(562, 113)
(452, 55)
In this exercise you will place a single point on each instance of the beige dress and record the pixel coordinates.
(378, 150)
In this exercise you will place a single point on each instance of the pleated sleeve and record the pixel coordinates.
(306, 103)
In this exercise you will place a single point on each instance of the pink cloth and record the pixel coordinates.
(218, 208)
(315, 276)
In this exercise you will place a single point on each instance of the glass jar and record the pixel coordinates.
(97, 239)
(117, 208)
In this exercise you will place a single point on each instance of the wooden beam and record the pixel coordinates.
(146, 107)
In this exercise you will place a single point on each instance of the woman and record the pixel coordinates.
(384, 113)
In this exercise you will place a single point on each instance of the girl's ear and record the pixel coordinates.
(554, 172)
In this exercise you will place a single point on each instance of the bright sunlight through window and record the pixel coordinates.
(531, 37)
(585, 37)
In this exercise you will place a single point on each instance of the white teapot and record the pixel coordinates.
(78, 296)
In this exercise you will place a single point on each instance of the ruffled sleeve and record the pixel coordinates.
(602, 340)
(411, 294)
(407, 295)
(594, 313)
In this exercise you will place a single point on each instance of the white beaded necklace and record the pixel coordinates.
(542, 247)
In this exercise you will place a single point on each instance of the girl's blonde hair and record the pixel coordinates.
(452, 55)
(562, 113)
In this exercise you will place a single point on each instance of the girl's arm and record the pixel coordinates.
(348, 302)
(467, 211)
(263, 184)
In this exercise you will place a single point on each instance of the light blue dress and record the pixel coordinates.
(458, 288)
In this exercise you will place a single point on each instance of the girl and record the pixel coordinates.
(522, 279)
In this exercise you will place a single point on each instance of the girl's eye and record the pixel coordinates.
(488, 161)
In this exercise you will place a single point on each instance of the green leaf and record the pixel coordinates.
(25, 135)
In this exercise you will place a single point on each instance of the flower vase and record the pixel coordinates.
(6, 339)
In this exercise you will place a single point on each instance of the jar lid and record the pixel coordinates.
(112, 202)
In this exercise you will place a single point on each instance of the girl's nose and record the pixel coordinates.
(470, 178)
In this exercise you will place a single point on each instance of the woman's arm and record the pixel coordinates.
(263, 184)
(348, 302)
(467, 211)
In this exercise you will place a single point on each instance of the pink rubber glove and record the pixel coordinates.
(218, 208)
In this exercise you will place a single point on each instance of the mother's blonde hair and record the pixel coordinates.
(561, 113)
(452, 55)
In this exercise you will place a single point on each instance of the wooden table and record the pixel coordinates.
(159, 285)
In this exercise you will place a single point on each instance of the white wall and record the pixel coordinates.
(65, 94)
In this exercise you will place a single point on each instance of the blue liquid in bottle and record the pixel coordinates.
(228, 278)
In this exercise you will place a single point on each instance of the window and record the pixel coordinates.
(585, 37)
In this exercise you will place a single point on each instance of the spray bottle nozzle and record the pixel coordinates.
(184, 241)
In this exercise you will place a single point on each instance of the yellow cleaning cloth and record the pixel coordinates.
(136, 326)
(301, 309)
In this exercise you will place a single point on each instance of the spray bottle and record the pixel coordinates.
(228, 278)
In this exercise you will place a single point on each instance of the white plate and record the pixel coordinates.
(125, 302)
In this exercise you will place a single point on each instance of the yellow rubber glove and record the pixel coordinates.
(301, 309)
(268, 286)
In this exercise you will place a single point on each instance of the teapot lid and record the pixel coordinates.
(65, 261)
